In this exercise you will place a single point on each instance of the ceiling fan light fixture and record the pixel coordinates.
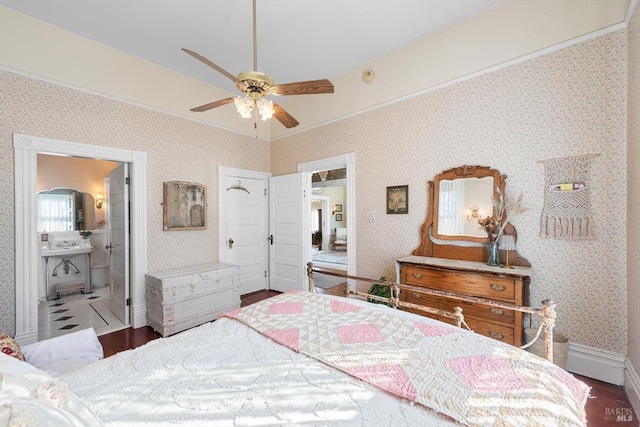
(265, 108)
(244, 105)
(255, 86)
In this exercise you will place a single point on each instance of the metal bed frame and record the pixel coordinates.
(547, 313)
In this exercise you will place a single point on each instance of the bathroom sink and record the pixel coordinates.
(62, 250)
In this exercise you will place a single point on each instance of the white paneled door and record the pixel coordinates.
(245, 240)
(118, 223)
(287, 269)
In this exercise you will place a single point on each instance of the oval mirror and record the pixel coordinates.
(65, 209)
(462, 197)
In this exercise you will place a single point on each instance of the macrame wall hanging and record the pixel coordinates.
(567, 209)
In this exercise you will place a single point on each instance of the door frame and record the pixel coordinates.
(26, 149)
(347, 161)
(223, 173)
(326, 218)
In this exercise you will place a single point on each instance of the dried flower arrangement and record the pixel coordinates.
(503, 212)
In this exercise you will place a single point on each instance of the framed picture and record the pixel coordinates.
(338, 208)
(338, 217)
(398, 199)
(184, 206)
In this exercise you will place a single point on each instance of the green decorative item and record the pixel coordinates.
(380, 290)
(85, 234)
(493, 255)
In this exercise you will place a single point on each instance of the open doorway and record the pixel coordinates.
(329, 220)
(27, 243)
(74, 284)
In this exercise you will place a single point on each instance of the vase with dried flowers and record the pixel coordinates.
(503, 212)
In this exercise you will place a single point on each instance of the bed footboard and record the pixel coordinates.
(546, 314)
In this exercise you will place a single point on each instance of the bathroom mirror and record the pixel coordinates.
(462, 196)
(65, 209)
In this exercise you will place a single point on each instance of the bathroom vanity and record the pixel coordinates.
(67, 265)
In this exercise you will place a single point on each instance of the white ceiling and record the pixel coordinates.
(297, 39)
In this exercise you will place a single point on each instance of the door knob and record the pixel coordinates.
(230, 243)
(109, 246)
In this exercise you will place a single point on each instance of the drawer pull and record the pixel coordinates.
(496, 335)
(494, 310)
(495, 287)
(415, 295)
(416, 275)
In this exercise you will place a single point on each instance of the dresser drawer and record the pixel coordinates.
(469, 309)
(492, 330)
(473, 284)
(502, 333)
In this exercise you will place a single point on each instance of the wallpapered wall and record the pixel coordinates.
(569, 102)
(177, 149)
(633, 193)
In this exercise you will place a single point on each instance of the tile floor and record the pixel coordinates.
(75, 312)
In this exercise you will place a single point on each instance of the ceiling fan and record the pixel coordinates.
(256, 86)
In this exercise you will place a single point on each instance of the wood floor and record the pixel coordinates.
(603, 407)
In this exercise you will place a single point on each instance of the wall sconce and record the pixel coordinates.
(333, 210)
(99, 200)
(473, 213)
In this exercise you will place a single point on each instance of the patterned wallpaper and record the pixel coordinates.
(177, 149)
(569, 102)
(633, 193)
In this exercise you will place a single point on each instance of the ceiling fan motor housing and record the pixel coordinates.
(255, 84)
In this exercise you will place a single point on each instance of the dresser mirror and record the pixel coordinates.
(65, 209)
(462, 196)
(456, 199)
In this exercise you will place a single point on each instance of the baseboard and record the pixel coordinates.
(632, 385)
(27, 338)
(598, 364)
(139, 316)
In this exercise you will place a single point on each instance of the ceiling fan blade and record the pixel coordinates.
(211, 64)
(304, 88)
(283, 117)
(211, 105)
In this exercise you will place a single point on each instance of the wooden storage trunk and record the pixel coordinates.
(183, 298)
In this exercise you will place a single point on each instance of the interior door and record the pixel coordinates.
(289, 241)
(119, 243)
(246, 230)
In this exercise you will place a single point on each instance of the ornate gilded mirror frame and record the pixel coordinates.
(466, 248)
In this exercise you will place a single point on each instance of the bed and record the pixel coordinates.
(306, 359)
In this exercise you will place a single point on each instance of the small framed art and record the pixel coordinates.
(184, 206)
(398, 199)
(338, 217)
(338, 208)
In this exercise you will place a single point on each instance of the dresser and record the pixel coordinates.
(474, 279)
(183, 298)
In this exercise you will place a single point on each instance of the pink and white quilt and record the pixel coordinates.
(468, 377)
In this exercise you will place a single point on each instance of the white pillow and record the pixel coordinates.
(21, 411)
(64, 353)
(29, 396)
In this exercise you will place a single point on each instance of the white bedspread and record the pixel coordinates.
(226, 374)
